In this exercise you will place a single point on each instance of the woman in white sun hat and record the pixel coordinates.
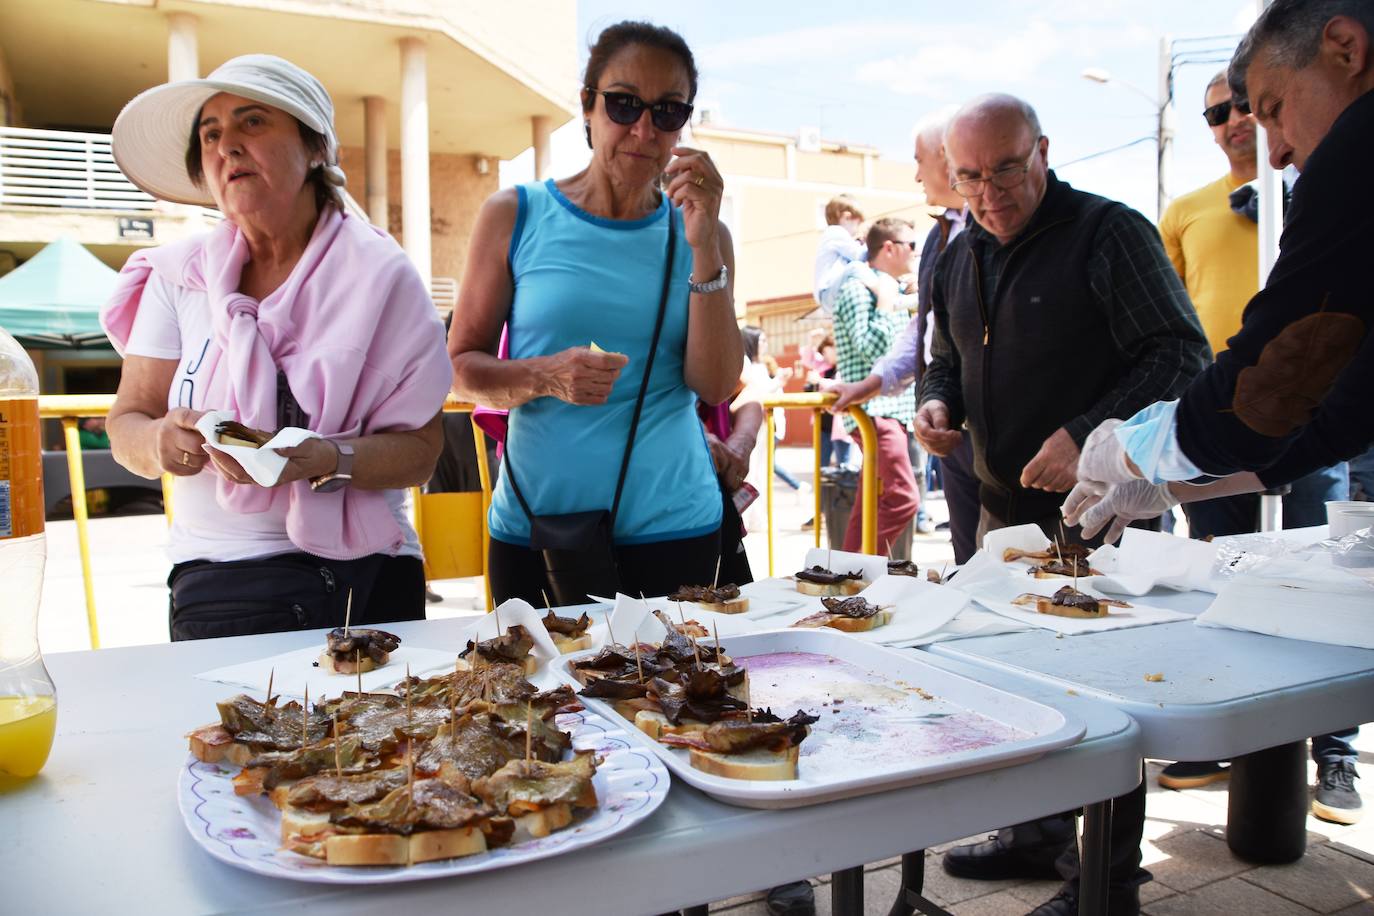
(294, 311)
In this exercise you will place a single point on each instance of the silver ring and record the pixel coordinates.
(186, 458)
(701, 180)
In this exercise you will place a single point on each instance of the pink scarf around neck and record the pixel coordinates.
(355, 333)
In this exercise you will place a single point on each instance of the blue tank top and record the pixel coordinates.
(581, 279)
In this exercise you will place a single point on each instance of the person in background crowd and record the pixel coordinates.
(1290, 394)
(864, 332)
(732, 431)
(839, 247)
(1215, 249)
(1054, 309)
(292, 312)
(583, 260)
(911, 353)
(91, 433)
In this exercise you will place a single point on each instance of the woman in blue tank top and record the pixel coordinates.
(581, 261)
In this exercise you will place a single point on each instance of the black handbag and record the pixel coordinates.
(241, 597)
(578, 547)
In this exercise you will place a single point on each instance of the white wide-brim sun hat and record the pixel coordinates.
(152, 133)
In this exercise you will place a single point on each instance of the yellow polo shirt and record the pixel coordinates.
(1216, 252)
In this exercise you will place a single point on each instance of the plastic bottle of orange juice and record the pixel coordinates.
(28, 700)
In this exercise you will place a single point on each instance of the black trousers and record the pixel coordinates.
(961, 496)
(293, 591)
(654, 569)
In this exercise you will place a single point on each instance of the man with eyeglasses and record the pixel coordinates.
(1054, 310)
(864, 332)
(1212, 237)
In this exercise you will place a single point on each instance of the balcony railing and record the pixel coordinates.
(64, 169)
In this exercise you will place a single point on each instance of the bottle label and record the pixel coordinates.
(21, 469)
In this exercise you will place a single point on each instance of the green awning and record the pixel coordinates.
(53, 300)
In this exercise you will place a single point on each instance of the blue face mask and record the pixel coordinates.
(1151, 442)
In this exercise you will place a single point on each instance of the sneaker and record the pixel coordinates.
(1336, 799)
(1191, 775)
(795, 899)
(925, 526)
(808, 524)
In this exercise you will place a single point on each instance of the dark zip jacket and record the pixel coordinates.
(1078, 319)
(1294, 390)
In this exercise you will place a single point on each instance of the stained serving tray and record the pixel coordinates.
(887, 719)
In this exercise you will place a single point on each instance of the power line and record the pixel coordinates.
(1114, 149)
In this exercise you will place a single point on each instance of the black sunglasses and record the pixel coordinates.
(627, 108)
(1218, 114)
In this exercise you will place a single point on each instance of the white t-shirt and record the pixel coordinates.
(174, 323)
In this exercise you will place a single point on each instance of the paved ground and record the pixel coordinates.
(1185, 848)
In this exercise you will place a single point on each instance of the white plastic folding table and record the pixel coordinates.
(99, 828)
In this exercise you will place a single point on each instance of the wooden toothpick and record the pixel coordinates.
(942, 573)
(270, 675)
(716, 636)
(410, 774)
(305, 716)
(715, 583)
(889, 548)
(497, 611)
(348, 612)
(529, 730)
(1075, 573)
(695, 651)
(409, 718)
(358, 669)
(639, 665)
(453, 705)
(338, 766)
(609, 632)
(748, 702)
(546, 600)
(1057, 552)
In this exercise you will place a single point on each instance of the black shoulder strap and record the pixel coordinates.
(643, 385)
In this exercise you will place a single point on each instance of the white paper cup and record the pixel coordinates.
(1349, 518)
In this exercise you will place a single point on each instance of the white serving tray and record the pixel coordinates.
(901, 721)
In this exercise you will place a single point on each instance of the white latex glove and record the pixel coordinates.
(1085, 494)
(1103, 460)
(1125, 503)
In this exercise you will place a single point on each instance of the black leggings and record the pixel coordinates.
(654, 569)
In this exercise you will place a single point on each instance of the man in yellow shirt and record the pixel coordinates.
(1214, 246)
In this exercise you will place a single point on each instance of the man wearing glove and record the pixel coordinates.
(1291, 394)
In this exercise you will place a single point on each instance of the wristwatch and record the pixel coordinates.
(713, 285)
(342, 474)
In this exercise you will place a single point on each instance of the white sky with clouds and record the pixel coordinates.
(865, 72)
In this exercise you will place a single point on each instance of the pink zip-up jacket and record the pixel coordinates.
(356, 334)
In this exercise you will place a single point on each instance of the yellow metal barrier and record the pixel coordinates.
(817, 402)
(69, 409)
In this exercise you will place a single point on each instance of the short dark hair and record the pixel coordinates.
(750, 334)
(884, 230)
(625, 34)
(315, 144)
(1289, 32)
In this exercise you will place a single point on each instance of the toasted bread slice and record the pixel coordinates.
(363, 664)
(528, 666)
(834, 590)
(567, 645)
(860, 624)
(733, 606)
(757, 765)
(544, 821)
(656, 724)
(1046, 606)
(213, 744)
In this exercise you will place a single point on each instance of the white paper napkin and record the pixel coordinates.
(918, 607)
(262, 464)
(1147, 559)
(292, 671)
(1297, 600)
(1020, 537)
(511, 612)
(997, 594)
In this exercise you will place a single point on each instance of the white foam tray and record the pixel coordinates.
(901, 721)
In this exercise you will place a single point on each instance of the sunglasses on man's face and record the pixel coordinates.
(1218, 114)
(627, 108)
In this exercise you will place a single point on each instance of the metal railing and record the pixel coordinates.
(70, 409)
(66, 169)
(817, 403)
